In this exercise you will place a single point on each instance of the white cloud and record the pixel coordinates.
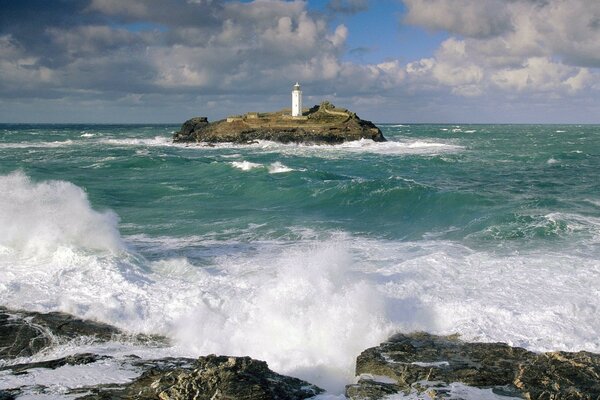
(509, 50)
(540, 74)
(522, 46)
(517, 28)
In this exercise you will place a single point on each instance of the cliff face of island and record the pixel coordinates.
(322, 124)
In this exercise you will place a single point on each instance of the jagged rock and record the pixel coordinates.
(420, 362)
(190, 126)
(24, 333)
(220, 377)
(211, 377)
(320, 124)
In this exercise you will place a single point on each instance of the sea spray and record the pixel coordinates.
(302, 309)
(37, 218)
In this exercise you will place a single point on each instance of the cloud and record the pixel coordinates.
(202, 47)
(510, 30)
(471, 18)
(517, 47)
(213, 53)
(348, 6)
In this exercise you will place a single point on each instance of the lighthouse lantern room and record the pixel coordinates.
(296, 101)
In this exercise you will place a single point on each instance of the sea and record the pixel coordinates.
(300, 255)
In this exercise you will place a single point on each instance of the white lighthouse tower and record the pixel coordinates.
(296, 101)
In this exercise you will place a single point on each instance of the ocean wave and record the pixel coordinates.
(157, 141)
(38, 218)
(274, 168)
(278, 168)
(391, 147)
(60, 254)
(538, 226)
(308, 306)
(245, 165)
(30, 144)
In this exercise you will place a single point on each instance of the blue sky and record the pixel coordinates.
(483, 61)
(380, 30)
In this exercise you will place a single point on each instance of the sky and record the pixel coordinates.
(420, 61)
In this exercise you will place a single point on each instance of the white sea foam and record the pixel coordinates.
(308, 307)
(87, 135)
(58, 381)
(391, 147)
(277, 168)
(552, 161)
(157, 141)
(245, 165)
(398, 147)
(30, 144)
(38, 218)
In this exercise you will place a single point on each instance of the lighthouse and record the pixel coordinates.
(296, 101)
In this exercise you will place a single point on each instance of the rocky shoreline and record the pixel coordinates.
(322, 124)
(412, 366)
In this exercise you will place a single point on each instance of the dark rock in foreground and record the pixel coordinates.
(424, 363)
(419, 365)
(24, 333)
(321, 124)
(210, 378)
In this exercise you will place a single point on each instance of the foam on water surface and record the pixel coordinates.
(278, 168)
(391, 147)
(308, 308)
(306, 269)
(245, 165)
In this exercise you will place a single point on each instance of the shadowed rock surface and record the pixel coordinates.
(424, 363)
(321, 124)
(24, 333)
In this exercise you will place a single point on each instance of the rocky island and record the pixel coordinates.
(321, 124)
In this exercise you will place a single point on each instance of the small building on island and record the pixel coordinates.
(296, 101)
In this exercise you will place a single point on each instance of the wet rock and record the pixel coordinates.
(420, 362)
(24, 333)
(210, 377)
(75, 359)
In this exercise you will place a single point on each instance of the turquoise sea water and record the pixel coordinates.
(306, 255)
